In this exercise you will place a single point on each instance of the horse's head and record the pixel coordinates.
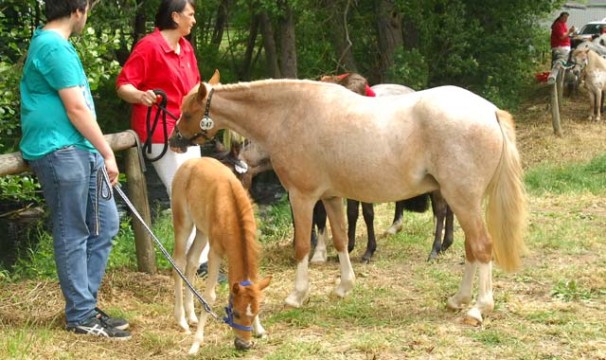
(195, 126)
(244, 306)
(580, 57)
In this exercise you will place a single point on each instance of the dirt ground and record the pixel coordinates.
(32, 303)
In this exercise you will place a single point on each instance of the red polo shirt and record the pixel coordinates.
(559, 29)
(154, 65)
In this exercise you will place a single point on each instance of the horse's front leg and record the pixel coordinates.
(210, 295)
(592, 103)
(182, 228)
(598, 107)
(368, 212)
(302, 209)
(396, 225)
(319, 220)
(193, 262)
(353, 211)
(334, 210)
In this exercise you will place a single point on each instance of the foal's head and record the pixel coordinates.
(244, 306)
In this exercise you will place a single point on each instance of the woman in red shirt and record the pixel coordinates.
(560, 38)
(162, 60)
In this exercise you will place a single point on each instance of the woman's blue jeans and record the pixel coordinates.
(84, 225)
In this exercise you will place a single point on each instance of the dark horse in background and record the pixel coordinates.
(256, 160)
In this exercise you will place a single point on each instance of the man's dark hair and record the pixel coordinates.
(57, 9)
(164, 18)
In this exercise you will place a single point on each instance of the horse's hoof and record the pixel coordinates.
(319, 257)
(432, 256)
(294, 300)
(194, 348)
(473, 317)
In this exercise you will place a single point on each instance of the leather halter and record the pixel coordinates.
(229, 319)
(206, 123)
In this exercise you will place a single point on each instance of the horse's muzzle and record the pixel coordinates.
(178, 144)
(242, 344)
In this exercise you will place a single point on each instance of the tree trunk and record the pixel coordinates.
(220, 24)
(269, 44)
(389, 29)
(288, 49)
(245, 69)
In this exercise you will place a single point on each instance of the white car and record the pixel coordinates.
(589, 31)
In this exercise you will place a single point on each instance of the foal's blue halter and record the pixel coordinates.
(229, 319)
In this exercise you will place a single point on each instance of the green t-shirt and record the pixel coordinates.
(52, 64)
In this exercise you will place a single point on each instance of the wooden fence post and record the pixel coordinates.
(556, 79)
(13, 164)
(137, 190)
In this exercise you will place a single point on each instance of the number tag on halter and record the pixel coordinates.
(241, 167)
(206, 123)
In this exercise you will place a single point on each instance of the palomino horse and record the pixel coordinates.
(320, 134)
(593, 70)
(207, 195)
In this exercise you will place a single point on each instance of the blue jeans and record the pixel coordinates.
(84, 225)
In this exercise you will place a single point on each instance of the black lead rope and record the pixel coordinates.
(151, 127)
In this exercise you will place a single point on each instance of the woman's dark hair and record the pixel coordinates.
(562, 14)
(164, 16)
(57, 9)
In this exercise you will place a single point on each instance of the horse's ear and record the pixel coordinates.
(264, 283)
(201, 93)
(216, 78)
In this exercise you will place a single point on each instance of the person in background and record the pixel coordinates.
(64, 146)
(162, 60)
(560, 38)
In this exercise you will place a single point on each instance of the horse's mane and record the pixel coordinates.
(263, 83)
(244, 213)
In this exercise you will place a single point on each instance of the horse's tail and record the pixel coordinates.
(506, 210)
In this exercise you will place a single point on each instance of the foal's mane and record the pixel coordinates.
(247, 231)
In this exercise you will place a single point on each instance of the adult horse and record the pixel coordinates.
(320, 134)
(443, 216)
(206, 195)
(593, 70)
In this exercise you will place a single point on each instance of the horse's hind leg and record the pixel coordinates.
(478, 254)
(353, 208)
(369, 218)
(319, 219)
(396, 225)
(334, 209)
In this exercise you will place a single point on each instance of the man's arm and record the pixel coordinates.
(82, 118)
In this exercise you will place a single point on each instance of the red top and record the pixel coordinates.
(154, 65)
(559, 30)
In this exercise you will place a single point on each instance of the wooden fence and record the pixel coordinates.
(13, 164)
(556, 81)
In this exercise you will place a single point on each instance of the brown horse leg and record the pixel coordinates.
(478, 254)
(368, 212)
(353, 208)
(334, 210)
(302, 208)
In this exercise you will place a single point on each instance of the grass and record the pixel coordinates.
(551, 309)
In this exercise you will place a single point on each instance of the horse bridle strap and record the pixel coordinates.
(206, 123)
(229, 319)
